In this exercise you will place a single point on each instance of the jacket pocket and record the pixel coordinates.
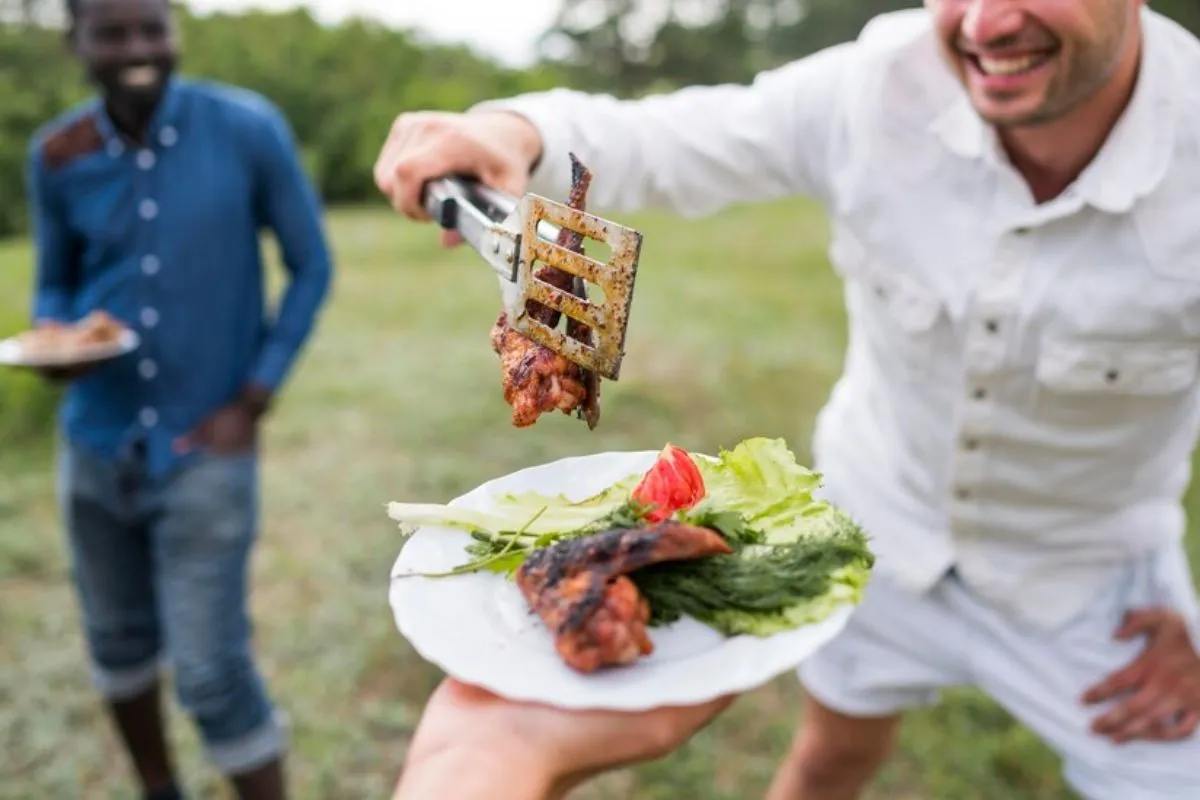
(888, 290)
(1116, 368)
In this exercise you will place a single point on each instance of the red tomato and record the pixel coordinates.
(673, 484)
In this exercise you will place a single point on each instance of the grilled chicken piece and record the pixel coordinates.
(579, 589)
(536, 379)
(613, 633)
(97, 328)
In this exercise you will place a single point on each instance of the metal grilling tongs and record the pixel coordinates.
(515, 236)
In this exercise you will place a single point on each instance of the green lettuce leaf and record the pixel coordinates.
(535, 514)
(761, 480)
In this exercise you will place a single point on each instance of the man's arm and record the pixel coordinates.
(696, 150)
(289, 205)
(56, 250)
(465, 773)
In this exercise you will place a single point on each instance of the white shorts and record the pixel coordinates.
(899, 650)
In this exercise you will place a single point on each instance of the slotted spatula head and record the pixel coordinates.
(610, 283)
(518, 237)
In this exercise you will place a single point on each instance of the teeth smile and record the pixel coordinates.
(140, 76)
(1009, 66)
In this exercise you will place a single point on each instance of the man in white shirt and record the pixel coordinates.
(1014, 189)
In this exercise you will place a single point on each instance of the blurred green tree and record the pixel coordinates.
(341, 86)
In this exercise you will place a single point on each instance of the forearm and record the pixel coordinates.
(464, 774)
(696, 150)
(291, 208)
(292, 328)
(56, 268)
(297, 226)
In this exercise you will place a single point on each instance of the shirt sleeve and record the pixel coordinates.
(56, 250)
(696, 150)
(288, 204)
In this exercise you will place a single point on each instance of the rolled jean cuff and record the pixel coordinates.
(126, 682)
(260, 746)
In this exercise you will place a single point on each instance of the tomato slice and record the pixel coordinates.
(673, 484)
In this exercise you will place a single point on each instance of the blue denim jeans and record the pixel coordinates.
(161, 571)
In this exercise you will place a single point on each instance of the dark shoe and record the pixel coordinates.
(171, 793)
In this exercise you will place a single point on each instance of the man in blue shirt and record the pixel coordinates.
(147, 203)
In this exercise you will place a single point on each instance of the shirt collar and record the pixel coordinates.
(1134, 158)
(163, 127)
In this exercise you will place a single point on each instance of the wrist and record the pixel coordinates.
(525, 136)
(49, 322)
(256, 399)
(474, 773)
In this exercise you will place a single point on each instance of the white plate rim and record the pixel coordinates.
(10, 352)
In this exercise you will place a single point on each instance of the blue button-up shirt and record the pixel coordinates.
(164, 236)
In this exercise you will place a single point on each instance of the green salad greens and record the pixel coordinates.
(796, 558)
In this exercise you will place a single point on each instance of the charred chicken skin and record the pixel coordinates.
(579, 589)
(536, 379)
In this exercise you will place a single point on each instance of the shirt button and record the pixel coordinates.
(150, 264)
(991, 325)
(148, 417)
(168, 136)
(148, 209)
(145, 159)
(979, 393)
(961, 493)
(149, 317)
(1112, 375)
(147, 369)
(971, 444)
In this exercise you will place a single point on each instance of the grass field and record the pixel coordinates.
(398, 398)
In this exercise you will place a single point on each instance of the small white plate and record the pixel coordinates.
(11, 355)
(478, 628)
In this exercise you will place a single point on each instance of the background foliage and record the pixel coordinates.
(342, 85)
(398, 398)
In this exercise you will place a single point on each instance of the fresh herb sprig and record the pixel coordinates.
(504, 552)
(760, 580)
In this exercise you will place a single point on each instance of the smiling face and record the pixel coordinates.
(128, 48)
(1030, 62)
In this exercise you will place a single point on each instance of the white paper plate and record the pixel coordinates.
(478, 628)
(11, 355)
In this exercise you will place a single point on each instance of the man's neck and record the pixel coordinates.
(1051, 157)
(131, 121)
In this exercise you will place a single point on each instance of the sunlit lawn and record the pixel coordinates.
(737, 331)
